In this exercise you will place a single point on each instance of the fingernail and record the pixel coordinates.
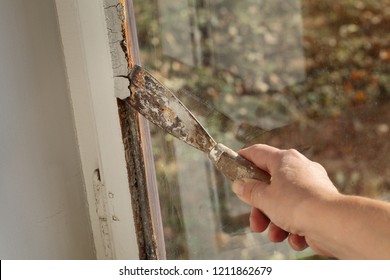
(238, 187)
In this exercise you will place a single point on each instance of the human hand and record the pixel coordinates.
(282, 206)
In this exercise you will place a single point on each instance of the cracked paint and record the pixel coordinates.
(118, 48)
(134, 132)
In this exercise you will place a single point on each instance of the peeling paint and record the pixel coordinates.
(102, 213)
(134, 131)
(115, 19)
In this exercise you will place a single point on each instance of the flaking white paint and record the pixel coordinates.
(91, 80)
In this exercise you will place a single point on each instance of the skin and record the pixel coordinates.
(302, 205)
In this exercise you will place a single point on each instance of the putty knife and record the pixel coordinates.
(161, 107)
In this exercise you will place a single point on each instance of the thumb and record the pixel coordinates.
(250, 191)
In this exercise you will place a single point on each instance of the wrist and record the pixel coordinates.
(332, 229)
(314, 214)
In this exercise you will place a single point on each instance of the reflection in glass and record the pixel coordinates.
(294, 74)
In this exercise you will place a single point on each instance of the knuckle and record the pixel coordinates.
(293, 153)
(319, 167)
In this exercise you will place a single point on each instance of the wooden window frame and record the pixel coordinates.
(114, 140)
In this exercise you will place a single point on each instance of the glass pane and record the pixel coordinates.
(310, 75)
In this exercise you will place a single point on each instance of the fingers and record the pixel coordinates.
(250, 191)
(263, 156)
(258, 221)
(297, 242)
(276, 234)
(259, 194)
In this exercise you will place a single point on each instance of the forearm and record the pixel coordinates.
(350, 227)
(301, 200)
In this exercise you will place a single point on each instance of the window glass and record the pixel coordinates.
(309, 75)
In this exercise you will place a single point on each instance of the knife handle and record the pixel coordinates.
(234, 166)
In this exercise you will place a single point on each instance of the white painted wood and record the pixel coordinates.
(114, 15)
(43, 209)
(91, 82)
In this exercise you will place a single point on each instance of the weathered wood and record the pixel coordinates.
(135, 133)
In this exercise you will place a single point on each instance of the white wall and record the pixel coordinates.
(43, 209)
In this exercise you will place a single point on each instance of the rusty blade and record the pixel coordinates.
(160, 106)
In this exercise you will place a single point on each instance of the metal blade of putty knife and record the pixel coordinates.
(160, 106)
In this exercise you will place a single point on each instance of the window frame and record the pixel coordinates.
(114, 141)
